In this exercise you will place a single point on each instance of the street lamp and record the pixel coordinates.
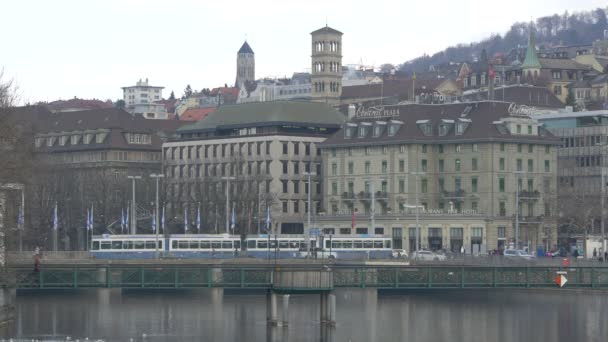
(518, 173)
(417, 174)
(603, 194)
(133, 207)
(307, 232)
(228, 179)
(156, 217)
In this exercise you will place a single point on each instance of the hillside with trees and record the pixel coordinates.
(578, 28)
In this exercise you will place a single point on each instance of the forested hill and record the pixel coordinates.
(567, 29)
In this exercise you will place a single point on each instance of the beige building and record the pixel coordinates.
(462, 163)
(268, 147)
(326, 59)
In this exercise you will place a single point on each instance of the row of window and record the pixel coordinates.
(296, 186)
(331, 46)
(588, 140)
(424, 148)
(297, 208)
(221, 169)
(73, 139)
(295, 169)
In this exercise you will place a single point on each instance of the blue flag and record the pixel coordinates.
(122, 220)
(162, 220)
(185, 221)
(88, 220)
(92, 220)
(127, 220)
(153, 220)
(198, 219)
(20, 218)
(267, 218)
(232, 220)
(55, 221)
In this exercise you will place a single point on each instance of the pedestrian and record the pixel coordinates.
(606, 256)
(594, 253)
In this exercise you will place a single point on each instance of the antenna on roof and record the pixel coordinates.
(326, 21)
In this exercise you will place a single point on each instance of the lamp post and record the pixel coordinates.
(307, 232)
(603, 194)
(228, 179)
(133, 207)
(417, 174)
(157, 176)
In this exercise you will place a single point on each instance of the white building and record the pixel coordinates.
(141, 99)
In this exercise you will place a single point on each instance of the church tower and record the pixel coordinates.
(245, 65)
(326, 61)
(530, 69)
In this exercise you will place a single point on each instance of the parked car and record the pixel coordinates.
(428, 256)
(399, 254)
(517, 254)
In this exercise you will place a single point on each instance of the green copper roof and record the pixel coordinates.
(531, 61)
(269, 113)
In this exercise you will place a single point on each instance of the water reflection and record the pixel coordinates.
(362, 315)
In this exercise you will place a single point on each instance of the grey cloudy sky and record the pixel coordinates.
(60, 49)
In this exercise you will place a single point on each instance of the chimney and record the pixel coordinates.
(352, 110)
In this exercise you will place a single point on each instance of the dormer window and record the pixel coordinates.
(74, 139)
(100, 137)
(361, 131)
(87, 138)
(50, 141)
(461, 126)
(349, 130)
(445, 126)
(62, 140)
(363, 128)
(39, 142)
(379, 128)
(393, 127)
(425, 127)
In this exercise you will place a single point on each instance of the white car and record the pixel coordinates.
(517, 253)
(428, 256)
(318, 254)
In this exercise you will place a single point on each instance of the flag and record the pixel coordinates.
(92, 220)
(20, 218)
(153, 220)
(122, 220)
(127, 220)
(491, 73)
(185, 221)
(353, 221)
(267, 218)
(162, 220)
(55, 223)
(232, 220)
(414, 77)
(88, 221)
(198, 219)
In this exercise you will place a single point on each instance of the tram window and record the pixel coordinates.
(205, 245)
(173, 244)
(194, 244)
(116, 244)
(95, 245)
(237, 244)
(262, 244)
(216, 244)
(294, 244)
(358, 244)
(336, 244)
(127, 245)
(251, 244)
(387, 244)
(160, 244)
(347, 244)
(273, 244)
(283, 244)
(227, 244)
(367, 244)
(150, 244)
(106, 245)
(183, 244)
(313, 244)
(138, 245)
(378, 244)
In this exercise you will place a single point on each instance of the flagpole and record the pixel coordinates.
(86, 231)
(55, 228)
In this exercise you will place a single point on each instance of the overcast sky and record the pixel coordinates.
(90, 49)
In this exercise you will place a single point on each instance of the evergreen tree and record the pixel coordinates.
(172, 96)
(187, 91)
(570, 100)
(120, 104)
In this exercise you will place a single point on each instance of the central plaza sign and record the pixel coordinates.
(376, 112)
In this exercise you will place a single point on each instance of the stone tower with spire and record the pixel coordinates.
(245, 66)
(326, 58)
(530, 68)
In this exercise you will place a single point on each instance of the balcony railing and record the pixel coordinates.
(457, 194)
(528, 194)
(348, 195)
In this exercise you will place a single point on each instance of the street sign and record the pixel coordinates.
(561, 279)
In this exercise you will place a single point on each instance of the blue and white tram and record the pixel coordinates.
(357, 247)
(281, 246)
(199, 246)
(127, 246)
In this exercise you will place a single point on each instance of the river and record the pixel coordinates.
(362, 315)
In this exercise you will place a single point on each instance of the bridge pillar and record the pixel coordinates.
(271, 308)
(323, 313)
(332, 309)
(285, 313)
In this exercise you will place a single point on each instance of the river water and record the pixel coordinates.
(362, 315)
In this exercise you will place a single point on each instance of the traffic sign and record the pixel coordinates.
(561, 279)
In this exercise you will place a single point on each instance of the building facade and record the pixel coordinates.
(461, 164)
(326, 63)
(141, 99)
(264, 151)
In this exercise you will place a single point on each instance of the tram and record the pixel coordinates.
(224, 246)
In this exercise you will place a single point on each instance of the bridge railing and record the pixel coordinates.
(311, 277)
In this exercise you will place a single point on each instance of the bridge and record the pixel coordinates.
(290, 278)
